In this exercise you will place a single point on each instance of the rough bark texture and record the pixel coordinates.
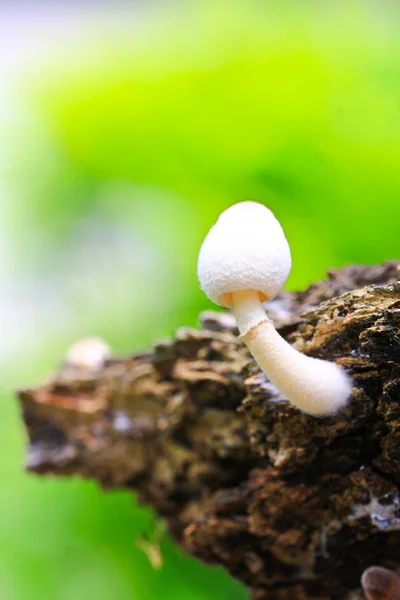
(294, 506)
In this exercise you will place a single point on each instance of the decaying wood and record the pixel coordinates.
(294, 506)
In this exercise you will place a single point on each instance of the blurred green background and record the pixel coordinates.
(125, 130)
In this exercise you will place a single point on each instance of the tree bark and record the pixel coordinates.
(295, 507)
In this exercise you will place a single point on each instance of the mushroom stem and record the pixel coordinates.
(317, 387)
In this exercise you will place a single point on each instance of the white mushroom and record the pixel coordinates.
(245, 260)
(88, 353)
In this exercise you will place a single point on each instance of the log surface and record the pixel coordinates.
(293, 506)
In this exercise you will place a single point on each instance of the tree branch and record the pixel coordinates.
(295, 507)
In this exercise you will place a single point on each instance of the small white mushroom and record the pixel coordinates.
(245, 260)
(89, 354)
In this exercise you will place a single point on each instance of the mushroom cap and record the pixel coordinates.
(88, 353)
(379, 583)
(246, 249)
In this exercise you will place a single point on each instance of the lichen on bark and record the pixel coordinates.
(294, 506)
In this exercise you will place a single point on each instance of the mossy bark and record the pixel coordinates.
(294, 506)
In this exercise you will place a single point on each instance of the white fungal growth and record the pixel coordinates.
(244, 260)
(121, 422)
(245, 250)
(89, 354)
(383, 516)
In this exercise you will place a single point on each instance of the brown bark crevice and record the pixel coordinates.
(294, 506)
